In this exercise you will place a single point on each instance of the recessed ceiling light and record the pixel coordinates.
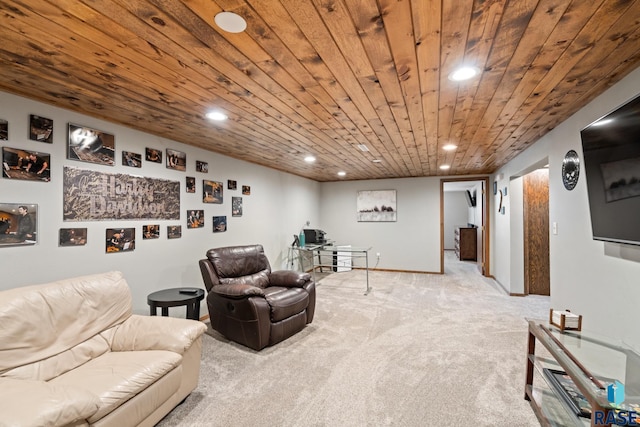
(376, 161)
(342, 173)
(230, 22)
(309, 159)
(463, 73)
(217, 116)
(444, 167)
(449, 147)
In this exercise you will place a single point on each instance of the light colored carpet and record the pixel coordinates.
(419, 350)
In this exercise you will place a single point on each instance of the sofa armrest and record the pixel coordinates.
(289, 278)
(29, 403)
(139, 333)
(238, 290)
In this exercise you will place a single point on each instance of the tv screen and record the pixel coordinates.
(611, 151)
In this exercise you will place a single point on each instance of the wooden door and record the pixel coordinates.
(536, 232)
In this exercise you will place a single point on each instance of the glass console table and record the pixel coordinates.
(568, 379)
(341, 257)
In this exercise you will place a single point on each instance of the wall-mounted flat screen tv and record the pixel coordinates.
(611, 151)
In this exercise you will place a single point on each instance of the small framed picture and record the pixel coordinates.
(153, 155)
(236, 206)
(246, 190)
(195, 218)
(212, 191)
(40, 129)
(176, 160)
(91, 145)
(191, 184)
(495, 188)
(18, 224)
(219, 224)
(174, 231)
(150, 232)
(232, 185)
(130, 159)
(73, 237)
(4, 130)
(26, 165)
(120, 240)
(202, 166)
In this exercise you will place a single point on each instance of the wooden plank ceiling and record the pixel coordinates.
(323, 77)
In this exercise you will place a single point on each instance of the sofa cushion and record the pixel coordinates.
(286, 302)
(116, 377)
(29, 403)
(65, 313)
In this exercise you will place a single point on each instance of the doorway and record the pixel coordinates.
(474, 191)
(536, 232)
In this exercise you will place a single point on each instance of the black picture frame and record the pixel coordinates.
(40, 129)
(232, 184)
(4, 130)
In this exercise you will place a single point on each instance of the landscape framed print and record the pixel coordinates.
(91, 145)
(18, 224)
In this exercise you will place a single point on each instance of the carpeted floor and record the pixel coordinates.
(419, 350)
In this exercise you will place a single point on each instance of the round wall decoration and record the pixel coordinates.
(570, 170)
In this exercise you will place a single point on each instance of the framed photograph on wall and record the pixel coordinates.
(376, 206)
(195, 218)
(18, 224)
(130, 159)
(91, 145)
(174, 231)
(246, 190)
(231, 184)
(212, 191)
(120, 240)
(4, 130)
(176, 160)
(236, 206)
(150, 231)
(191, 184)
(153, 155)
(40, 129)
(219, 224)
(202, 166)
(73, 237)
(26, 165)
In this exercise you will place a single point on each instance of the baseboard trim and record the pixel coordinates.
(391, 270)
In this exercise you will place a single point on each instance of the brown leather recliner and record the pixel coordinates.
(252, 305)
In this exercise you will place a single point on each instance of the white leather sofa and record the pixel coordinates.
(73, 354)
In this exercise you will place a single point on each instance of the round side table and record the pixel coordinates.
(175, 297)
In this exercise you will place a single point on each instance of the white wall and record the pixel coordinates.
(457, 213)
(276, 209)
(410, 243)
(598, 280)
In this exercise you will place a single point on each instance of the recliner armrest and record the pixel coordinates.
(238, 290)
(289, 278)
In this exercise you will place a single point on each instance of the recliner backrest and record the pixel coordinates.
(240, 264)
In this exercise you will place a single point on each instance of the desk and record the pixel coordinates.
(346, 252)
(174, 298)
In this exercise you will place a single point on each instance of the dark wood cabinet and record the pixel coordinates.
(466, 243)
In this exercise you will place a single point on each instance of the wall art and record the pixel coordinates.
(40, 129)
(195, 218)
(26, 165)
(150, 231)
(246, 190)
(174, 231)
(376, 206)
(236, 206)
(73, 237)
(95, 196)
(18, 224)
(120, 240)
(191, 184)
(212, 191)
(202, 166)
(153, 155)
(219, 224)
(232, 185)
(130, 159)
(91, 145)
(4, 130)
(176, 160)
